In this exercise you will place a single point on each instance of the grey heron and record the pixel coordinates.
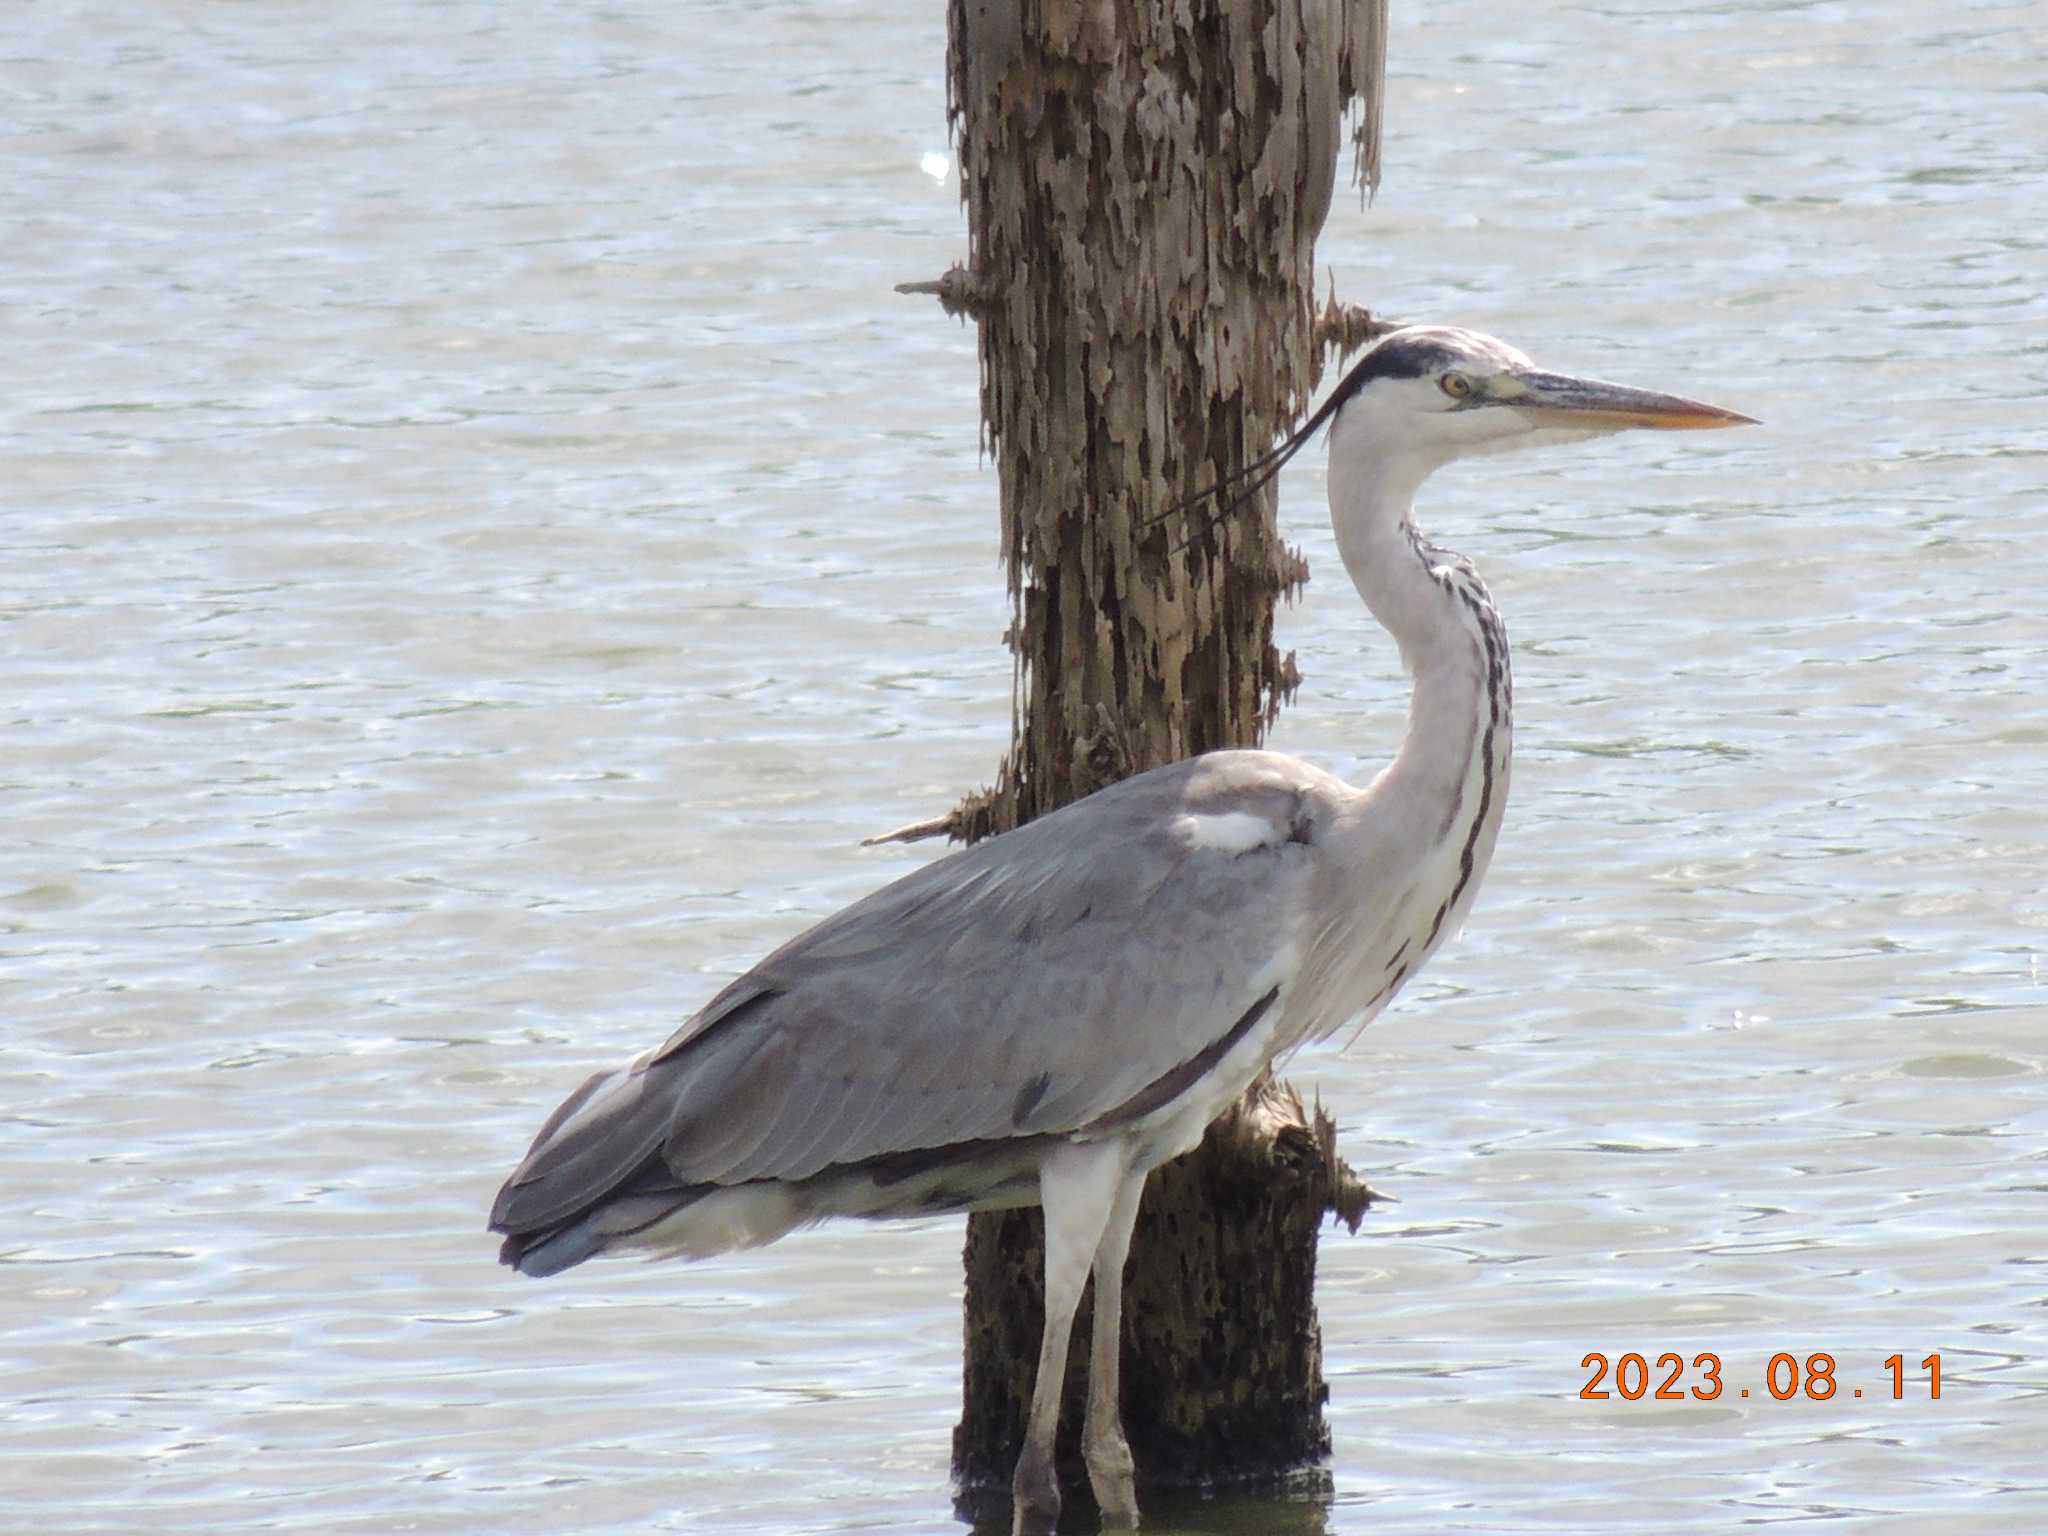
(1045, 1017)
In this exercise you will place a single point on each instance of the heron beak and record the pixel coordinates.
(1559, 400)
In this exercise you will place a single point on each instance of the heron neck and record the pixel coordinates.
(1451, 638)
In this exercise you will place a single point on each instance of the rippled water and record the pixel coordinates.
(483, 542)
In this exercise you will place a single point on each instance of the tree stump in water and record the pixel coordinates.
(1144, 184)
(1223, 1356)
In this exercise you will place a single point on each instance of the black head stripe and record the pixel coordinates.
(1414, 353)
(1411, 354)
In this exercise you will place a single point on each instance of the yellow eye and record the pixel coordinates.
(1456, 385)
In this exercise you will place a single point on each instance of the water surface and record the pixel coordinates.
(484, 543)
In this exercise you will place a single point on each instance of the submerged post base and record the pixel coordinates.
(1222, 1357)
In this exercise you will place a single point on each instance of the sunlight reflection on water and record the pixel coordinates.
(487, 543)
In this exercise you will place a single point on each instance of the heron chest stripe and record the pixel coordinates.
(1497, 686)
(1392, 982)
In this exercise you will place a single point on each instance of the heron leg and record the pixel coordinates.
(1110, 1469)
(1079, 1185)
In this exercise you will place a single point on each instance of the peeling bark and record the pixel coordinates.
(1144, 182)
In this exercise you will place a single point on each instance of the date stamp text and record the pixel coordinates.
(1673, 1379)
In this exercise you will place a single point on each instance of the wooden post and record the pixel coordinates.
(1223, 1356)
(1144, 182)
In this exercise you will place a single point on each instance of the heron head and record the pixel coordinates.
(1432, 393)
(1427, 394)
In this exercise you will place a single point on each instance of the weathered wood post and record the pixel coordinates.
(1144, 182)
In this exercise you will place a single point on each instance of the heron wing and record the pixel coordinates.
(1033, 984)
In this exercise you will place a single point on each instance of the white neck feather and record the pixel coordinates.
(1438, 611)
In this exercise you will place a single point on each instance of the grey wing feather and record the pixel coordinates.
(1028, 985)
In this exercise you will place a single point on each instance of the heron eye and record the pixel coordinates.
(1456, 385)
